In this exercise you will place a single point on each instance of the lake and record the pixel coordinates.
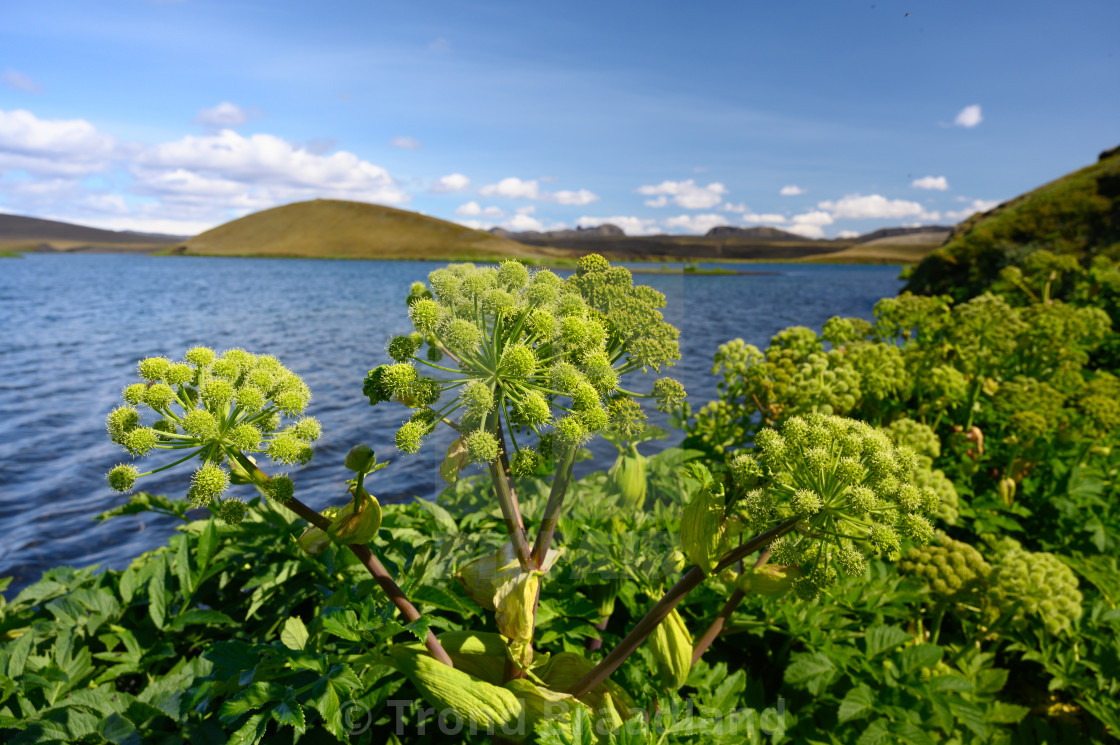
(73, 326)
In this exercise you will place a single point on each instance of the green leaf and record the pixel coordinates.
(419, 628)
(253, 696)
(343, 624)
(951, 682)
(991, 680)
(158, 599)
(857, 703)
(813, 672)
(875, 734)
(207, 544)
(251, 732)
(970, 715)
(443, 518)
(19, 653)
(145, 502)
(921, 656)
(294, 634)
(196, 616)
(182, 565)
(117, 729)
(912, 734)
(1004, 713)
(881, 639)
(289, 712)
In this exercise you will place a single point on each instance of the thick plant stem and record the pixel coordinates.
(709, 636)
(511, 513)
(511, 510)
(552, 509)
(663, 607)
(364, 555)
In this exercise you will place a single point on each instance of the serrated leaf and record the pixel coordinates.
(880, 639)
(951, 682)
(289, 712)
(970, 715)
(207, 544)
(253, 696)
(857, 703)
(251, 732)
(875, 734)
(419, 628)
(813, 672)
(920, 656)
(912, 734)
(1004, 713)
(443, 518)
(158, 598)
(294, 635)
(117, 729)
(19, 653)
(343, 624)
(991, 680)
(195, 616)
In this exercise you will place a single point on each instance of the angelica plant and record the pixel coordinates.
(524, 367)
(223, 409)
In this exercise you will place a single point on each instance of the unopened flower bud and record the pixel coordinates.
(135, 393)
(200, 356)
(153, 368)
(232, 511)
(208, 482)
(201, 423)
(280, 488)
(140, 440)
(482, 447)
(408, 437)
(360, 459)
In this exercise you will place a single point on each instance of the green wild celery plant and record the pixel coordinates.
(219, 409)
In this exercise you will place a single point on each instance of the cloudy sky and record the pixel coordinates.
(823, 118)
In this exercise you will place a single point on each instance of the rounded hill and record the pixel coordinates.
(335, 229)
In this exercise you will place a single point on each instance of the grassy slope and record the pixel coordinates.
(1076, 214)
(328, 228)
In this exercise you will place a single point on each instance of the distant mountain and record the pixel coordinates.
(331, 228)
(1077, 214)
(606, 230)
(758, 234)
(32, 233)
(899, 232)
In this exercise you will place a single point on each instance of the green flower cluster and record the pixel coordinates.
(954, 571)
(215, 408)
(849, 486)
(540, 353)
(1037, 584)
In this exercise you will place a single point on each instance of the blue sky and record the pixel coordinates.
(824, 118)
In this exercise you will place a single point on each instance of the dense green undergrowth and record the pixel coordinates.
(1005, 628)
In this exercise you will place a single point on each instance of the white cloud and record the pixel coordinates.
(451, 183)
(20, 82)
(630, 225)
(473, 209)
(52, 146)
(526, 210)
(406, 143)
(578, 198)
(978, 205)
(936, 183)
(684, 194)
(848, 234)
(697, 224)
(816, 217)
(513, 188)
(766, 217)
(969, 116)
(524, 222)
(269, 168)
(875, 206)
(805, 231)
(791, 190)
(223, 116)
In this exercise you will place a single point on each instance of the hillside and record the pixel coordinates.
(329, 228)
(18, 233)
(1077, 214)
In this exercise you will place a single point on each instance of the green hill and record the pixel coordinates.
(329, 228)
(1078, 214)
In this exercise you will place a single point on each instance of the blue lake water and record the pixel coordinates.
(73, 326)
